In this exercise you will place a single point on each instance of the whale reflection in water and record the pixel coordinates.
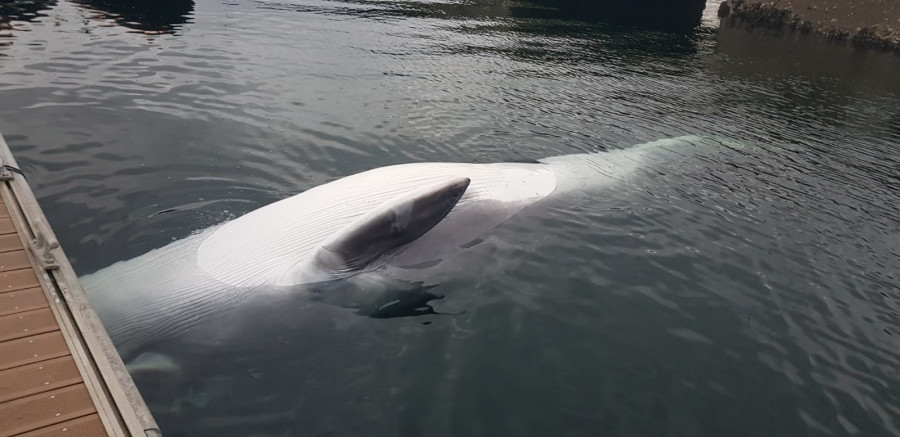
(147, 16)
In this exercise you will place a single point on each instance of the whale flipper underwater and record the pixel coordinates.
(382, 221)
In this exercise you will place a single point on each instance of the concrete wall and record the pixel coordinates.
(873, 23)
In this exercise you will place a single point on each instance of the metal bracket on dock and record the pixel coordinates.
(44, 245)
(5, 174)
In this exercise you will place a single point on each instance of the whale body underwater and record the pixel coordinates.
(384, 221)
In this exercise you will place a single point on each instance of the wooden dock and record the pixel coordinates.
(59, 372)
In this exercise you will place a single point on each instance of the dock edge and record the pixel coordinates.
(117, 399)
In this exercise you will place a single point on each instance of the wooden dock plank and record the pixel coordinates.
(26, 324)
(32, 349)
(45, 409)
(28, 299)
(18, 280)
(23, 381)
(14, 261)
(7, 226)
(87, 426)
(59, 373)
(10, 242)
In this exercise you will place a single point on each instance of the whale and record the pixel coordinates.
(385, 222)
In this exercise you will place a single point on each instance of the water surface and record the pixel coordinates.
(753, 292)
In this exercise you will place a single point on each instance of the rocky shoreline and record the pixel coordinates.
(862, 23)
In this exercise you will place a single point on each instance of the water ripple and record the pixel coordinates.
(743, 291)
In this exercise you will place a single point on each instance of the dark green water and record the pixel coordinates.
(744, 294)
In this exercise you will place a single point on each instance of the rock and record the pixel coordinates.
(724, 10)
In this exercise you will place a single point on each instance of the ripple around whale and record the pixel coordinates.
(744, 294)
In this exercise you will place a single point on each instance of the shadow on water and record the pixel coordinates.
(669, 15)
(379, 299)
(679, 15)
(585, 44)
(546, 31)
(154, 16)
(406, 303)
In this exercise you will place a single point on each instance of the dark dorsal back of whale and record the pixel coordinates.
(394, 223)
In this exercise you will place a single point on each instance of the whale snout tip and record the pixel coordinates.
(460, 185)
(456, 188)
